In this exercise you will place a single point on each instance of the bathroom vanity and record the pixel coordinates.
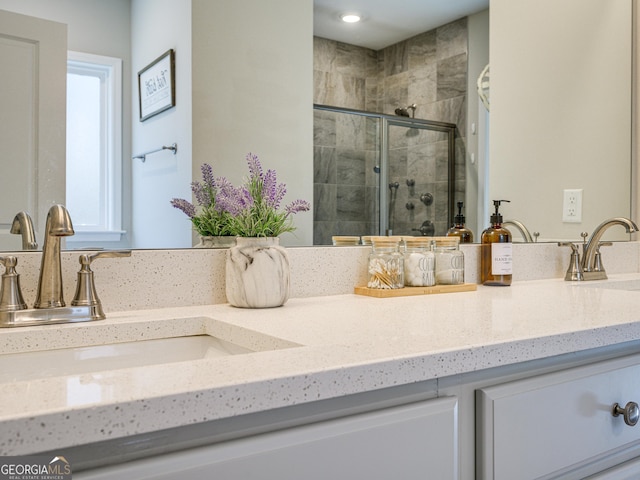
(504, 383)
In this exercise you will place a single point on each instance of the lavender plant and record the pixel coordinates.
(254, 207)
(211, 219)
(250, 210)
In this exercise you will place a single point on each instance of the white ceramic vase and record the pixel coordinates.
(257, 273)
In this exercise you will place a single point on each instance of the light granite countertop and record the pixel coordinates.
(311, 349)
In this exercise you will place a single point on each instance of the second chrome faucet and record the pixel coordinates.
(49, 306)
(590, 266)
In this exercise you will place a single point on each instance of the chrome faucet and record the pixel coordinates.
(23, 225)
(591, 261)
(49, 306)
(50, 281)
(590, 266)
(524, 231)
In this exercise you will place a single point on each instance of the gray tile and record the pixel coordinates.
(322, 232)
(422, 50)
(399, 137)
(398, 165)
(352, 228)
(350, 205)
(352, 60)
(452, 39)
(324, 54)
(349, 92)
(422, 88)
(324, 165)
(395, 92)
(324, 128)
(421, 163)
(324, 202)
(350, 166)
(396, 58)
(351, 131)
(323, 87)
(372, 162)
(452, 77)
(372, 94)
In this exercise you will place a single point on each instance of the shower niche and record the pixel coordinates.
(377, 174)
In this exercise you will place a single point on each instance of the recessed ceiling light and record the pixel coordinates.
(350, 17)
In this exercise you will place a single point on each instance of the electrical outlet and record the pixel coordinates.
(572, 206)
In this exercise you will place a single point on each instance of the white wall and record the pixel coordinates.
(572, 96)
(157, 26)
(478, 27)
(253, 92)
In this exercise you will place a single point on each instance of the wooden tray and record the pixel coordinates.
(408, 291)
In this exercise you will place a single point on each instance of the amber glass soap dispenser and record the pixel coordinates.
(459, 229)
(495, 258)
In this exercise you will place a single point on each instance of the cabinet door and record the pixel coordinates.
(557, 424)
(626, 471)
(416, 441)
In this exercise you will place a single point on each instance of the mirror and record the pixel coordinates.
(235, 117)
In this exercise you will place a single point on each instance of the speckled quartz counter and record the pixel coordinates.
(317, 348)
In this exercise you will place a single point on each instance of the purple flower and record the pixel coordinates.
(269, 189)
(255, 168)
(225, 188)
(187, 207)
(207, 176)
(297, 206)
(231, 199)
(202, 194)
(280, 192)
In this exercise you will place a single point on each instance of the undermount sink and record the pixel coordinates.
(99, 347)
(628, 285)
(95, 358)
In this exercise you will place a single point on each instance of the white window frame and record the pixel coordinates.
(110, 69)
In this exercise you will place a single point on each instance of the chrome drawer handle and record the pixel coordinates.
(630, 412)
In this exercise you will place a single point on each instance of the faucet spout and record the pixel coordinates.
(524, 231)
(591, 247)
(50, 281)
(23, 225)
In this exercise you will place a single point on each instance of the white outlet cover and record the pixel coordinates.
(572, 205)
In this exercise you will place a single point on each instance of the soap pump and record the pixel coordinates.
(459, 229)
(496, 251)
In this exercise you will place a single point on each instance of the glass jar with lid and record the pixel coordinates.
(419, 262)
(386, 264)
(449, 261)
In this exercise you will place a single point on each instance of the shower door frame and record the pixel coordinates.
(383, 165)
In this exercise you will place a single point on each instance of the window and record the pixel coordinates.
(94, 146)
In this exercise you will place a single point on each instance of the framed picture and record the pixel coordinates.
(156, 86)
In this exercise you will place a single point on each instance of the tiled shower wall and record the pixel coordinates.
(429, 70)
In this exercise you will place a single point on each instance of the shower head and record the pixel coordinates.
(404, 112)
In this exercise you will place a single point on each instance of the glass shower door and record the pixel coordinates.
(419, 179)
(377, 174)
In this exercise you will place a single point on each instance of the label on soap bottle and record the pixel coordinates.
(501, 258)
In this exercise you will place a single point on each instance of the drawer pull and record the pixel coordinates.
(630, 412)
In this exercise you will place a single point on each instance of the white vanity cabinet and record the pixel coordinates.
(413, 441)
(560, 425)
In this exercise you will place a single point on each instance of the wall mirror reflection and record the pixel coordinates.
(559, 119)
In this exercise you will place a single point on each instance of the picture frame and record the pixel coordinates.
(156, 86)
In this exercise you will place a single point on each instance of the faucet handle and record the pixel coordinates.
(597, 261)
(10, 292)
(574, 272)
(86, 294)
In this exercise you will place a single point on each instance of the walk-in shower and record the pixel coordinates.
(376, 174)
